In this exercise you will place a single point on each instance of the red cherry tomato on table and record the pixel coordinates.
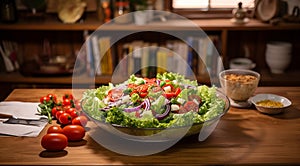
(68, 96)
(64, 108)
(52, 97)
(54, 142)
(69, 110)
(80, 120)
(44, 99)
(65, 118)
(66, 102)
(58, 113)
(74, 132)
(72, 112)
(55, 129)
(55, 110)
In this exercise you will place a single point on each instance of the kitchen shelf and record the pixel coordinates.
(267, 79)
(223, 27)
(17, 78)
(53, 24)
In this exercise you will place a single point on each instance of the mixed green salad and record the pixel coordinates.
(169, 100)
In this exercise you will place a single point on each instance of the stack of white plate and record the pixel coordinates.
(278, 56)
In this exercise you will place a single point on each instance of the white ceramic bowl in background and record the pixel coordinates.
(278, 53)
(278, 66)
(278, 56)
(270, 110)
(279, 46)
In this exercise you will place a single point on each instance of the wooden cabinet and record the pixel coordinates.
(68, 38)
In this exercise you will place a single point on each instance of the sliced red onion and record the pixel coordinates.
(137, 108)
(133, 109)
(147, 104)
(158, 82)
(163, 115)
(105, 109)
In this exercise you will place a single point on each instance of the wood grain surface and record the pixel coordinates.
(243, 136)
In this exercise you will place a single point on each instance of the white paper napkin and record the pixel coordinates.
(21, 130)
(22, 110)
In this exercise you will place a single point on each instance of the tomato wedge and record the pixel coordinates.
(143, 88)
(150, 80)
(177, 91)
(170, 91)
(115, 94)
(143, 94)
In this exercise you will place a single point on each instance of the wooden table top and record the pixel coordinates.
(242, 136)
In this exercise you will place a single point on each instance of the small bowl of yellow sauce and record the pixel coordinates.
(270, 103)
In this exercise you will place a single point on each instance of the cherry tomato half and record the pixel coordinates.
(74, 132)
(54, 142)
(55, 129)
(80, 120)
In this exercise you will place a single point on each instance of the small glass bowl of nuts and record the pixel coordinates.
(239, 85)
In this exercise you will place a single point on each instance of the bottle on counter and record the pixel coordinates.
(121, 11)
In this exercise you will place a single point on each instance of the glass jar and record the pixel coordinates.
(121, 12)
